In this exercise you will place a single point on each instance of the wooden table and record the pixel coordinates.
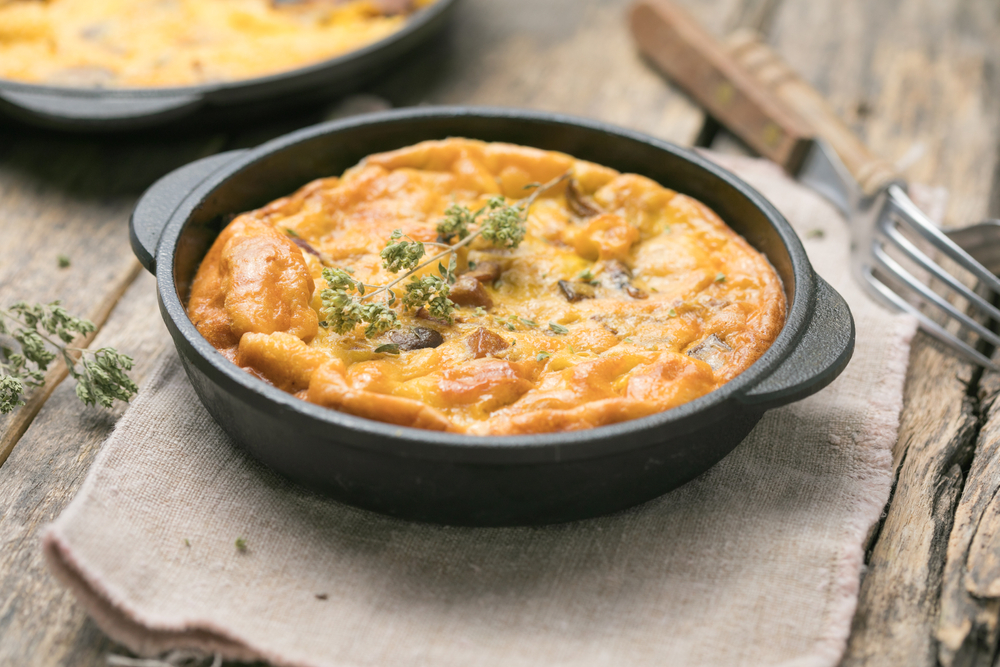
(915, 78)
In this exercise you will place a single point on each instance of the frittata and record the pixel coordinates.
(624, 299)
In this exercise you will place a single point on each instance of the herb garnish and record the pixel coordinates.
(348, 302)
(558, 328)
(38, 329)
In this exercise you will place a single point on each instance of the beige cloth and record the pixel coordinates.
(756, 562)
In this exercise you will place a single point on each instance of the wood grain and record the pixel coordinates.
(898, 601)
(40, 622)
(970, 596)
(698, 63)
(77, 206)
(566, 56)
(897, 71)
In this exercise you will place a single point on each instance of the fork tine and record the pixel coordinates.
(894, 269)
(928, 325)
(920, 223)
(926, 263)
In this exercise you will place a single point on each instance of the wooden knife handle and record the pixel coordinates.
(758, 59)
(703, 67)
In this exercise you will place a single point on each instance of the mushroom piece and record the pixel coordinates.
(621, 277)
(416, 338)
(467, 291)
(305, 245)
(711, 351)
(484, 343)
(580, 204)
(425, 314)
(574, 291)
(485, 272)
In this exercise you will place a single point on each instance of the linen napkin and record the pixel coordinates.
(756, 562)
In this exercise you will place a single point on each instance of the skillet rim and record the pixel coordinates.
(563, 446)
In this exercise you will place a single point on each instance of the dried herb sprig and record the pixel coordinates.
(43, 331)
(348, 302)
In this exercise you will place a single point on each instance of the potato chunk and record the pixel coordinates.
(283, 359)
(267, 287)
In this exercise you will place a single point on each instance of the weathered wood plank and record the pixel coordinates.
(565, 56)
(898, 602)
(76, 205)
(40, 622)
(970, 595)
(903, 72)
(14, 425)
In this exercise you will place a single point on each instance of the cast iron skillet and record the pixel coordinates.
(118, 109)
(458, 479)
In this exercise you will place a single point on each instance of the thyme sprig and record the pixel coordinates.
(43, 331)
(348, 302)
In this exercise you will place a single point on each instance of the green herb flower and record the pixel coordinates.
(456, 223)
(42, 332)
(504, 225)
(430, 292)
(401, 255)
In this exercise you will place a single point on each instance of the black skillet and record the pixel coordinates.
(459, 479)
(120, 109)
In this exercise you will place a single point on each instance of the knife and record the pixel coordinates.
(981, 240)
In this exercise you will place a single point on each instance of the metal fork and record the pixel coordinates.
(882, 232)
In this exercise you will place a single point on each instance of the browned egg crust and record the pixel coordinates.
(662, 301)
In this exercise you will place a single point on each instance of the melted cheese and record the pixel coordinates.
(122, 43)
(660, 302)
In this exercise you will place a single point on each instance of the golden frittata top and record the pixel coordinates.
(128, 43)
(624, 299)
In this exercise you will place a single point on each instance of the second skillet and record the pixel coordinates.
(83, 109)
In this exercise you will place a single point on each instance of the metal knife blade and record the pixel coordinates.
(823, 171)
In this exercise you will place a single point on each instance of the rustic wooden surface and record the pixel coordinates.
(917, 79)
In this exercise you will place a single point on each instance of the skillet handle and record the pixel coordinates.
(87, 112)
(820, 356)
(154, 209)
